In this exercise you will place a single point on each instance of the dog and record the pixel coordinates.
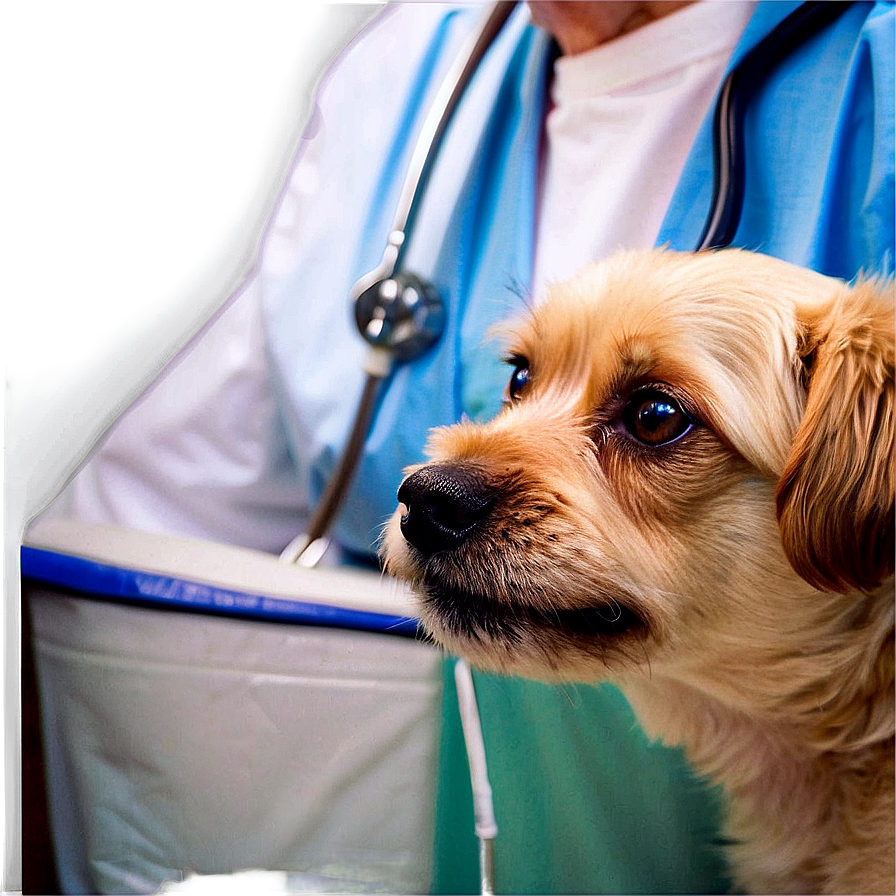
(689, 492)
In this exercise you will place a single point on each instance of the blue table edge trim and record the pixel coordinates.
(99, 580)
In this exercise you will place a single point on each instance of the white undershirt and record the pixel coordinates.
(623, 120)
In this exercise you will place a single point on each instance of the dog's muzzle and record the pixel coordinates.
(445, 504)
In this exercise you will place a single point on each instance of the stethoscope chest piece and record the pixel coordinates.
(402, 313)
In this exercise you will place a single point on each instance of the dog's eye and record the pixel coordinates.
(519, 379)
(655, 418)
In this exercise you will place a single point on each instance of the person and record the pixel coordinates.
(587, 128)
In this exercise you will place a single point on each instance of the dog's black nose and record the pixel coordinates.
(445, 503)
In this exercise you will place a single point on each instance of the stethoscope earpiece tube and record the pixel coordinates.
(429, 141)
(738, 90)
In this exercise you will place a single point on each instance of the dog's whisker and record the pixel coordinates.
(613, 604)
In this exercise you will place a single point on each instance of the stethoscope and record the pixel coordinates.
(401, 315)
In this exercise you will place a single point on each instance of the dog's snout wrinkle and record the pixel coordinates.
(445, 503)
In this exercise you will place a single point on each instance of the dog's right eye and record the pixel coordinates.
(519, 379)
(655, 418)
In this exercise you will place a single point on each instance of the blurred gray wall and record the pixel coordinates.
(131, 133)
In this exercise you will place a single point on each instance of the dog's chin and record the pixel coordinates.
(567, 645)
(583, 641)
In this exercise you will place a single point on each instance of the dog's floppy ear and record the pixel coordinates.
(835, 496)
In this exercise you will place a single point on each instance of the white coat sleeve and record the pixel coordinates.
(202, 452)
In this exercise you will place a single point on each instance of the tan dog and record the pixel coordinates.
(690, 493)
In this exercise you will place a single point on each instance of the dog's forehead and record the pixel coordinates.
(643, 294)
(649, 309)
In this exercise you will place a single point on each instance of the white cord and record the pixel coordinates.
(483, 806)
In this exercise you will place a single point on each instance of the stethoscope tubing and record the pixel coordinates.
(429, 141)
(726, 207)
(310, 546)
(737, 92)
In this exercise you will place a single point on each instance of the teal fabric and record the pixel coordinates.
(584, 802)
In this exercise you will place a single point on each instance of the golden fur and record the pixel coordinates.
(736, 581)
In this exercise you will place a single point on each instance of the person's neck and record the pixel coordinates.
(582, 25)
